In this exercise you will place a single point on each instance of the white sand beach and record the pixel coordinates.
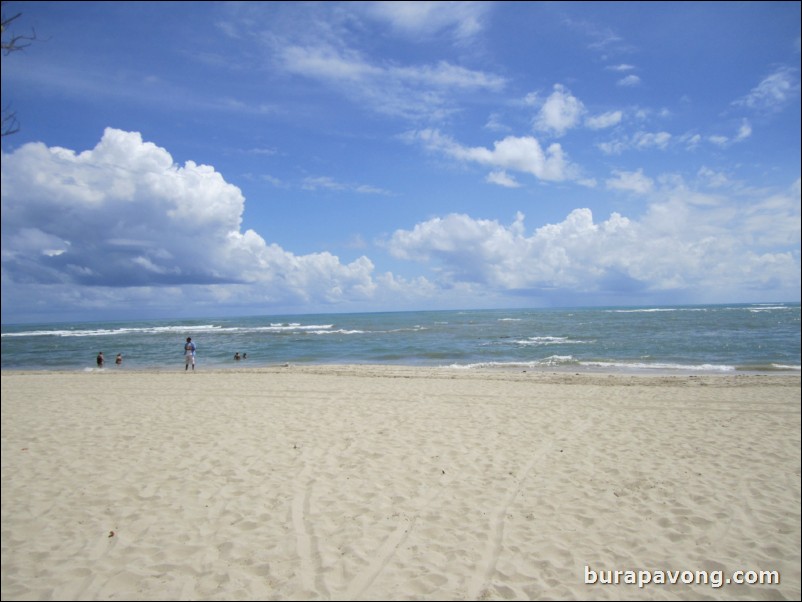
(391, 483)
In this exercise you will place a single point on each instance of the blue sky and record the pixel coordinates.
(209, 159)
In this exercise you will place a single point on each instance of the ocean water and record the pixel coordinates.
(684, 339)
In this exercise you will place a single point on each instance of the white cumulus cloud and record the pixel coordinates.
(629, 81)
(675, 246)
(560, 112)
(631, 181)
(605, 120)
(124, 215)
(502, 178)
(464, 19)
(522, 154)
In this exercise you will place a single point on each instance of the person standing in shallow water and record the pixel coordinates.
(100, 360)
(189, 354)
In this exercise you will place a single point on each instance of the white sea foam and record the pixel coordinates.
(541, 341)
(659, 366)
(113, 331)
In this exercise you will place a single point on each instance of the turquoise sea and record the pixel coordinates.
(683, 339)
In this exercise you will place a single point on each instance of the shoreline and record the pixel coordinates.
(423, 369)
(367, 482)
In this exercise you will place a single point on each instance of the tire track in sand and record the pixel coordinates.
(360, 583)
(478, 584)
(311, 574)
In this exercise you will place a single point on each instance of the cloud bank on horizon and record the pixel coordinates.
(387, 156)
